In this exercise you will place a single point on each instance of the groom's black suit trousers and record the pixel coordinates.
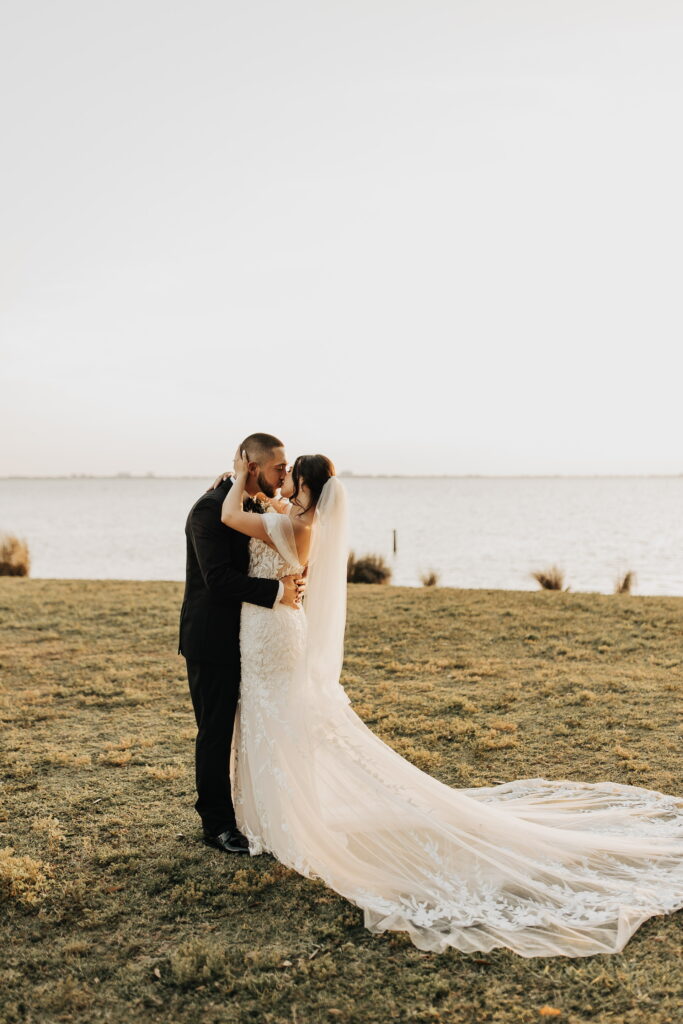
(214, 690)
(216, 584)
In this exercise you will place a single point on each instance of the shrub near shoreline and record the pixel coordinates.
(367, 569)
(114, 911)
(14, 556)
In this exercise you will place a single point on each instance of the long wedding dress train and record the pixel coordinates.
(542, 868)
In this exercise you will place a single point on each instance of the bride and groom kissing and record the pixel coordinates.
(285, 766)
(217, 583)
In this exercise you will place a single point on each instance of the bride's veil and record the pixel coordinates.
(325, 602)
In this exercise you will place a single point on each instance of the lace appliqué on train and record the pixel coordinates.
(538, 866)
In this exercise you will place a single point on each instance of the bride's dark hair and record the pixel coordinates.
(314, 471)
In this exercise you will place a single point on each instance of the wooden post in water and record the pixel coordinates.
(395, 542)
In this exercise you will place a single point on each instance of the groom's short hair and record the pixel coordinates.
(260, 446)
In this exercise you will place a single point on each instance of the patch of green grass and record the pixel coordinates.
(111, 908)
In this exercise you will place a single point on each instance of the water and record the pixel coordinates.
(474, 532)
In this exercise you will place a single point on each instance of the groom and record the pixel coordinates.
(216, 584)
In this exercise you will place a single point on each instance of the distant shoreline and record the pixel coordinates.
(380, 476)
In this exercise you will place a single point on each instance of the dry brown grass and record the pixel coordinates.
(430, 578)
(15, 559)
(111, 909)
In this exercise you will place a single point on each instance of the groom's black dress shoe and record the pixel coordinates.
(230, 841)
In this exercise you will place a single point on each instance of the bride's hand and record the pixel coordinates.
(241, 463)
(280, 505)
(220, 479)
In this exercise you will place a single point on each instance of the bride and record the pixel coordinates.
(544, 868)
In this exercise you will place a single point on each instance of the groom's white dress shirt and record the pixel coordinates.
(280, 586)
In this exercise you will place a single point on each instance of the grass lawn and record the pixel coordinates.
(112, 910)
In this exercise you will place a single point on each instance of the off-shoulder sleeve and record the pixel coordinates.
(281, 532)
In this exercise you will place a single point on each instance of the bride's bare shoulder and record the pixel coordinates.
(302, 538)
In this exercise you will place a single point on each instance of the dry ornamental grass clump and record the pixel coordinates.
(367, 569)
(15, 559)
(625, 583)
(550, 579)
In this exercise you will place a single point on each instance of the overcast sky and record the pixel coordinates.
(417, 236)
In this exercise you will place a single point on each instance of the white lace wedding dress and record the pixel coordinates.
(543, 868)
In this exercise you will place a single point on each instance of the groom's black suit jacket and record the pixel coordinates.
(216, 583)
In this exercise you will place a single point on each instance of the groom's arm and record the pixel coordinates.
(224, 583)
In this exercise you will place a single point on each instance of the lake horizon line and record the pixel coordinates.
(345, 475)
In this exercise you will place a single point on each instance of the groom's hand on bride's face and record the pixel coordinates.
(295, 587)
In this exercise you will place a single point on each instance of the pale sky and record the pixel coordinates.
(416, 236)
